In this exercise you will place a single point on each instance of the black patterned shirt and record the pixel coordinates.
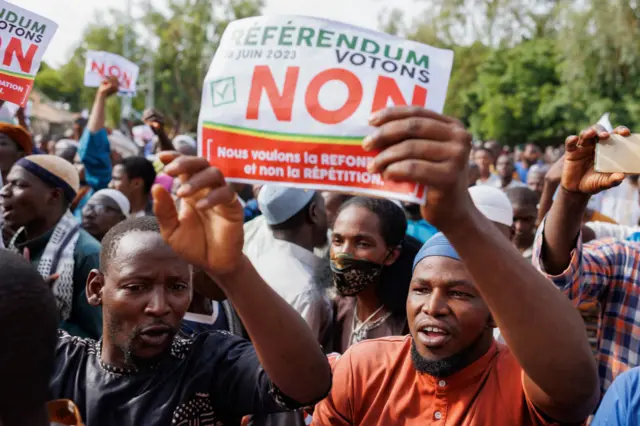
(214, 378)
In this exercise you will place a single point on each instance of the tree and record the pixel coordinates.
(516, 98)
(600, 44)
(188, 38)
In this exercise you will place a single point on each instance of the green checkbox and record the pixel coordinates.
(223, 91)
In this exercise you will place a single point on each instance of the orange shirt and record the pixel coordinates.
(375, 383)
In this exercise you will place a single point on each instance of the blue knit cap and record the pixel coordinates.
(438, 245)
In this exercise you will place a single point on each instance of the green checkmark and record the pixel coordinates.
(223, 91)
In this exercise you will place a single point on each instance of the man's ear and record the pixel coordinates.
(55, 195)
(393, 256)
(137, 182)
(95, 283)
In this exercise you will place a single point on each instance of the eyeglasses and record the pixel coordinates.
(64, 412)
(99, 209)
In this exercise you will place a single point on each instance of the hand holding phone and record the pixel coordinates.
(618, 154)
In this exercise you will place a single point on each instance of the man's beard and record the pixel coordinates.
(130, 358)
(447, 366)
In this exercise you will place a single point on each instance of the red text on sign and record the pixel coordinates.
(282, 100)
(13, 50)
(112, 70)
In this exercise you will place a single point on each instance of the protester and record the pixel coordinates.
(505, 168)
(144, 288)
(621, 405)
(94, 152)
(371, 269)
(535, 179)
(15, 143)
(529, 157)
(622, 203)
(417, 227)
(484, 161)
(67, 149)
(298, 222)
(36, 201)
(79, 124)
(495, 149)
(450, 369)
(134, 177)
(104, 210)
(185, 145)
(473, 174)
(155, 121)
(332, 203)
(603, 273)
(28, 318)
(525, 213)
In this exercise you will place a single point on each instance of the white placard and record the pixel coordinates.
(287, 100)
(104, 64)
(24, 37)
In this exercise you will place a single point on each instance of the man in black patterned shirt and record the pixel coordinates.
(141, 372)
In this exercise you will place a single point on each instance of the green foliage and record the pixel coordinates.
(524, 70)
(183, 37)
(536, 70)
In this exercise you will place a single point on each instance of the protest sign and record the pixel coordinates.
(104, 64)
(24, 37)
(287, 100)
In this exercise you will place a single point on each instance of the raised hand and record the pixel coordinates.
(154, 119)
(578, 174)
(419, 145)
(207, 231)
(109, 86)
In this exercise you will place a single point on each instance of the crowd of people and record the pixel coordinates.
(140, 288)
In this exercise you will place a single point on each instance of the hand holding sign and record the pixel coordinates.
(108, 87)
(24, 37)
(422, 146)
(104, 64)
(286, 100)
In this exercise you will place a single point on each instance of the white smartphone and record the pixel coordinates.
(618, 154)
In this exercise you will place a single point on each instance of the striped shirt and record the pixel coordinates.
(604, 276)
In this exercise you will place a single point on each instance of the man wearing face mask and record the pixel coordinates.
(298, 223)
(371, 260)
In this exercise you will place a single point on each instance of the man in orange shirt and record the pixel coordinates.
(450, 371)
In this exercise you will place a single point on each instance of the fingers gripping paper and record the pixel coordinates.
(287, 100)
(24, 37)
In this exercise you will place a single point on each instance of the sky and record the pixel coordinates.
(73, 15)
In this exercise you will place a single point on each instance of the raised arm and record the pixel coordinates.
(541, 327)
(579, 181)
(155, 119)
(208, 233)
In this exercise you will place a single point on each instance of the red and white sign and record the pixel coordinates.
(287, 100)
(104, 64)
(24, 37)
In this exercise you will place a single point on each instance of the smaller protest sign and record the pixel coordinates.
(24, 37)
(104, 64)
(287, 100)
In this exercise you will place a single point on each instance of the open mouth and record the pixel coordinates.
(433, 337)
(156, 336)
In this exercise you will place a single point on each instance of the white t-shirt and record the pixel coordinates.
(621, 203)
(290, 270)
(513, 184)
(612, 230)
(492, 180)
